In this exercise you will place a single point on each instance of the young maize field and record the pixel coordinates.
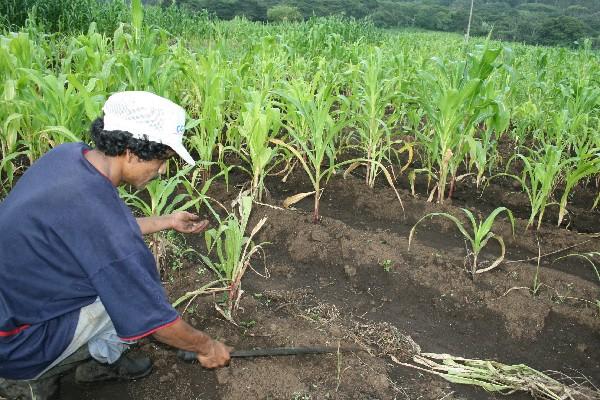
(353, 178)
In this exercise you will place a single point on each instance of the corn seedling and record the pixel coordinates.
(259, 122)
(161, 202)
(233, 251)
(478, 237)
(586, 165)
(539, 178)
(206, 96)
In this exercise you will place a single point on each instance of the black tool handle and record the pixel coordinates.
(278, 351)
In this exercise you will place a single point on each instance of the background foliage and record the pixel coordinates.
(547, 22)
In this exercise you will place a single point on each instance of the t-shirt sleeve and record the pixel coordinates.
(133, 296)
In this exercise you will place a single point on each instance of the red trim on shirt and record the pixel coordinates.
(151, 331)
(14, 331)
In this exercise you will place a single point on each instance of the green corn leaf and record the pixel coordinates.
(137, 15)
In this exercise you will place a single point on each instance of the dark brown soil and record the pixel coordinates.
(351, 279)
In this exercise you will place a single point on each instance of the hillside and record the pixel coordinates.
(546, 22)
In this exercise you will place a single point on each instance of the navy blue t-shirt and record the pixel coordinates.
(66, 238)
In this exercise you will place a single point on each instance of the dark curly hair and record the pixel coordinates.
(114, 143)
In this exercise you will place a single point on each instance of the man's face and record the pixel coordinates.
(140, 172)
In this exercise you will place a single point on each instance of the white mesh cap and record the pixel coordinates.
(146, 115)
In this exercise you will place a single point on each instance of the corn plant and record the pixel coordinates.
(376, 115)
(53, 113)
(456, 100)
(540, 175)
(584, 166)
(9, 151)
(206, 99)
(161, 202)
(261, 66)
(478, 236)
(313, 129)
(258, 123)
(137, 16)
(482, 154)
(233, 251)
(144, 62)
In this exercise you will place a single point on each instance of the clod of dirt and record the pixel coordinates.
(319, 235)
(581, 347)
(350, 271)
(381, 382)
(166, 378)
(323, 282)
(160, 363)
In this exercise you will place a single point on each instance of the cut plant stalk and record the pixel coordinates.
(501, 378)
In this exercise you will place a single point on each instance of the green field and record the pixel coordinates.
(391, 123)
(425, 103)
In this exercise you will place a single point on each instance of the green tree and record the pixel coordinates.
(563, 30)
(395, 14)
(281, 13)
(577, 11)
(228, 9)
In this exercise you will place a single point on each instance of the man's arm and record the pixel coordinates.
(150, 225)
(211, 353)
(181, 221)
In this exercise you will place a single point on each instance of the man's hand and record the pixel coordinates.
(215, 356)
(211, 353)
(181, 221)
(185, 222)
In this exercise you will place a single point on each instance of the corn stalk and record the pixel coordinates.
(233, 251)
(456, 100)
(312, 128)
(258, 123)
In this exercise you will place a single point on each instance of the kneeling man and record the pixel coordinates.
(76, 277)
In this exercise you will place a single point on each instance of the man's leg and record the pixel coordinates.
(94, 337)
(106, 349)
(92, 326)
